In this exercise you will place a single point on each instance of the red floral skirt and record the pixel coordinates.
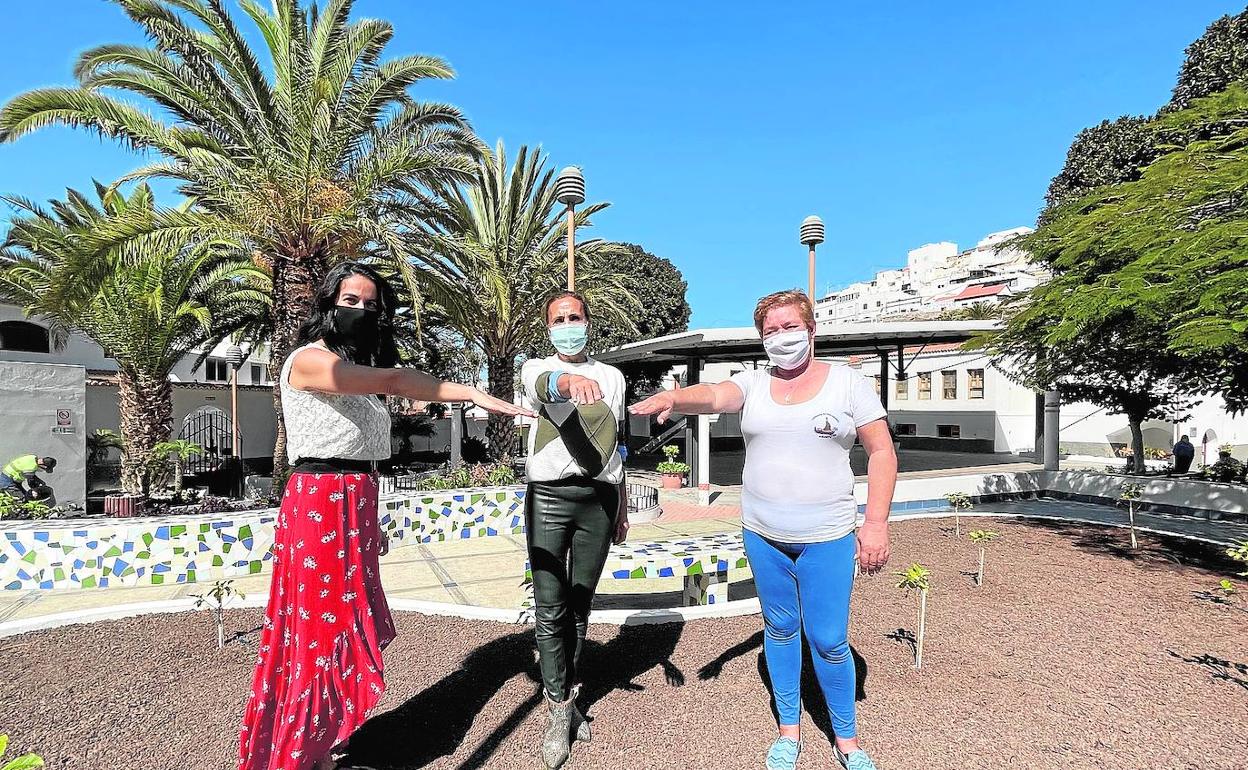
(319, 672)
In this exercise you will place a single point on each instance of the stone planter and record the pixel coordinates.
(673, 480)
(123, 506)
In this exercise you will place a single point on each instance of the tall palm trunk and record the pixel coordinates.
(297, 272)
(501, 430)
(146, 405)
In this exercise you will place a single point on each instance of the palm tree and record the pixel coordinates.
(180, 451)
(497, 251)
(148, 306)
(308, 152)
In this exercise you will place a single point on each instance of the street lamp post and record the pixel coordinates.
(812, 235)
(570, 191)
(234, 355)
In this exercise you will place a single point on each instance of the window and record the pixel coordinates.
(925, 386)
(24, 337)
(949, 431)
(949, 384)
(975, 383)
(260, 375)
(906, 429)
(902, 390)
(217, 370)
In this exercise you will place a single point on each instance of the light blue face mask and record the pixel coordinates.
(569, 339)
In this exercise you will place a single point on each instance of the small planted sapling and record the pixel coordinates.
(916, 578)
(24, 762)
(1129, 494)
(215, 598)
(958, 502)
(982, 538)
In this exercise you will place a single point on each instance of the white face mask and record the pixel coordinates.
(788, 350)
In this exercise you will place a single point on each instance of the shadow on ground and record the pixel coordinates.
(435, 722)
(1155, 551)
(812, 697)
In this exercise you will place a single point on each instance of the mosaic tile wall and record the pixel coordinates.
(707, 564)
(105, 553)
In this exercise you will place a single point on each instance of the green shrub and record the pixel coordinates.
(24, 762)
(479, 475)
(670, 465)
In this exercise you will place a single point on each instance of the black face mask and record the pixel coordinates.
(356, 327)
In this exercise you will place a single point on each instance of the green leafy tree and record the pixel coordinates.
(409, 426)
(1111, 152)
(663, 309)
(497, 251)
(308, 150)
(1213, 61)
(1160, 261)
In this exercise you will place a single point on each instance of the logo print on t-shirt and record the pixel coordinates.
(825, 426)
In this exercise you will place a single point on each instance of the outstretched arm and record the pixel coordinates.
(321, 370)
(720, 398)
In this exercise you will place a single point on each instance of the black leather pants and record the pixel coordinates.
(569, 527)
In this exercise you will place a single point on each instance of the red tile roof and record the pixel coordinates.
(980, 290)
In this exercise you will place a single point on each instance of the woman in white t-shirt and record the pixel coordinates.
(800, 419)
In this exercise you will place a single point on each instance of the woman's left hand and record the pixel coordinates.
(621, 528)
(873, 546)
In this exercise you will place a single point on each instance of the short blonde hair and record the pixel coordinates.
(779, 299)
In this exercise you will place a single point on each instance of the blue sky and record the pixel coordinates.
(714, 128)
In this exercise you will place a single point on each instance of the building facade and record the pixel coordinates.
(937, 278)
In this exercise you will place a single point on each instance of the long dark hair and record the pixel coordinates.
(320, 322)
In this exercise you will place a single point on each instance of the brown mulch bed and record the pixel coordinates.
(1074, 654)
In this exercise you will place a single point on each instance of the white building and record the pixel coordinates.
(937, 277)
(62, 396)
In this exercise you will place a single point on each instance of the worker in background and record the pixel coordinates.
(19, 478)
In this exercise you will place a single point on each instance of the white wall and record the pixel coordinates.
(30, 395)
(80, 351)
(257, 420)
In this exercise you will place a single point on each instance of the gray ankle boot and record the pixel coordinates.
(580, 725)
(555, 743)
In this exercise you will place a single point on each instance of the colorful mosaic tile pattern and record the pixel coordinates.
(438, 517)
(103, 553)
(694, 555)
(707, 563)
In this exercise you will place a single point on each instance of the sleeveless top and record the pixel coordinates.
(332, 425)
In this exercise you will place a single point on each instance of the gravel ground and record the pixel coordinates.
(1074, 654)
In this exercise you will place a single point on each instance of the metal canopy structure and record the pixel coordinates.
(694, 349)
(743, 344)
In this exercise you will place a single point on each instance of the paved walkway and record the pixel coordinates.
(488, 572)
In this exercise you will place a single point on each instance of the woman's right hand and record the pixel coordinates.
(661, 403)
(498, 406)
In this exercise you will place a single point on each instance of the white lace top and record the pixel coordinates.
(329, 425)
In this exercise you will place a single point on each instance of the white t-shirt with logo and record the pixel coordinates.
(797, 485)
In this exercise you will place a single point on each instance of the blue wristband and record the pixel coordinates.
(552, 387)
(623, 450)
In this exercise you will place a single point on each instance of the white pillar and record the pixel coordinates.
(704, 459)
(1052, 428)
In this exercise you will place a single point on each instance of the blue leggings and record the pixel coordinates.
(805, 586)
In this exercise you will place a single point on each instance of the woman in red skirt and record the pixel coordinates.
(320, 671)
